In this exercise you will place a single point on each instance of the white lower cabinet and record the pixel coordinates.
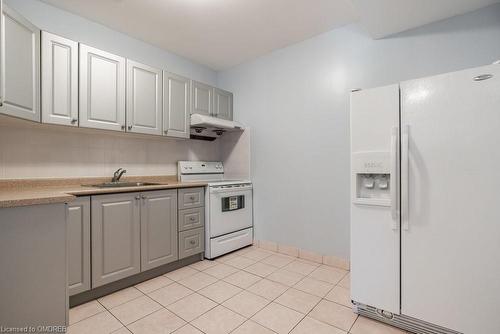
(158, 228)
(116, 236)
(132, 232)
(19, 66)
(191, 242)
(78, 228)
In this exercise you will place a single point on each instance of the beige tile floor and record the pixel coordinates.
(251, 291)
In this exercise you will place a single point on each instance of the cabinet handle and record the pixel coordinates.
(192, 219)
(192, 242)
(123, 127)
(130, 127)
(191, 198)
(74, 120)
(137, 197)
(143, 196)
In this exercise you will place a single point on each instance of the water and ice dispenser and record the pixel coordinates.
(372, 178)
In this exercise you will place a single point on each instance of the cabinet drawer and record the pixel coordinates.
(191, 242)
(191, 218)
(191, 198)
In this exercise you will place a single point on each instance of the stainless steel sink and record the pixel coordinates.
(121, 184)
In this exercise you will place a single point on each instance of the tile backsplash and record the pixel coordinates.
(29, 150)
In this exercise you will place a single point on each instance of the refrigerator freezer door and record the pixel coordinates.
(375, 234)
(450, 273)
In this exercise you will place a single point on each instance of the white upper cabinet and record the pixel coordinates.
(102, 89)
(201, 99)
(211, 101)
(176, 105)
(20, 67)
(59, 80)
(223, 104)
(144, 98)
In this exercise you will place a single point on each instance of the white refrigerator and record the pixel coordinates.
(425, 213)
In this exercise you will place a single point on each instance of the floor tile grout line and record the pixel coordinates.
(250, 319)
(140, 317)
(192, 292)
(307, 315)
(123, 325)
(246, 319)
(225, 299)
(90, 316)
(163, 308)
(190, 322)
(350, 328)
(143, 294)
(172, 282)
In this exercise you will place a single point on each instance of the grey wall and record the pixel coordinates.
(296, 101)
(77, 28)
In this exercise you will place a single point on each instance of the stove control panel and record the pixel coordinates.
(200, 167)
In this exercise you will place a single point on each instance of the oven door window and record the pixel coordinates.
(232, 203)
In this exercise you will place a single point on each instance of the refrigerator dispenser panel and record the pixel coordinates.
(372, 178)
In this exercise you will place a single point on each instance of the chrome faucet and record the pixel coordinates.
(118, 174)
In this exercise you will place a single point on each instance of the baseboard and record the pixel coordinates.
(329, 260)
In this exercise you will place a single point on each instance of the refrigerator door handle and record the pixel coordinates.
(405, 182)
(393, 178)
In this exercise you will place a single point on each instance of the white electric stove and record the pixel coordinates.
(228, 207)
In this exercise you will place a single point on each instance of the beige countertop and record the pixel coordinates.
(24, 192)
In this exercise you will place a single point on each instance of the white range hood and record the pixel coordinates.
(209, 128)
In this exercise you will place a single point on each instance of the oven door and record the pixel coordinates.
(230, 209)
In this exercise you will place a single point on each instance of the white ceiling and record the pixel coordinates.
(224, 33)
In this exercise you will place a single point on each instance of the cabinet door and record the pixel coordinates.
(102, 89)
(201, 98)
(115, 237)
(158, 228)
(59, 80)
(223, 104)
(78, 227)
(176, 105)
(144, 98)
(20, 67)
